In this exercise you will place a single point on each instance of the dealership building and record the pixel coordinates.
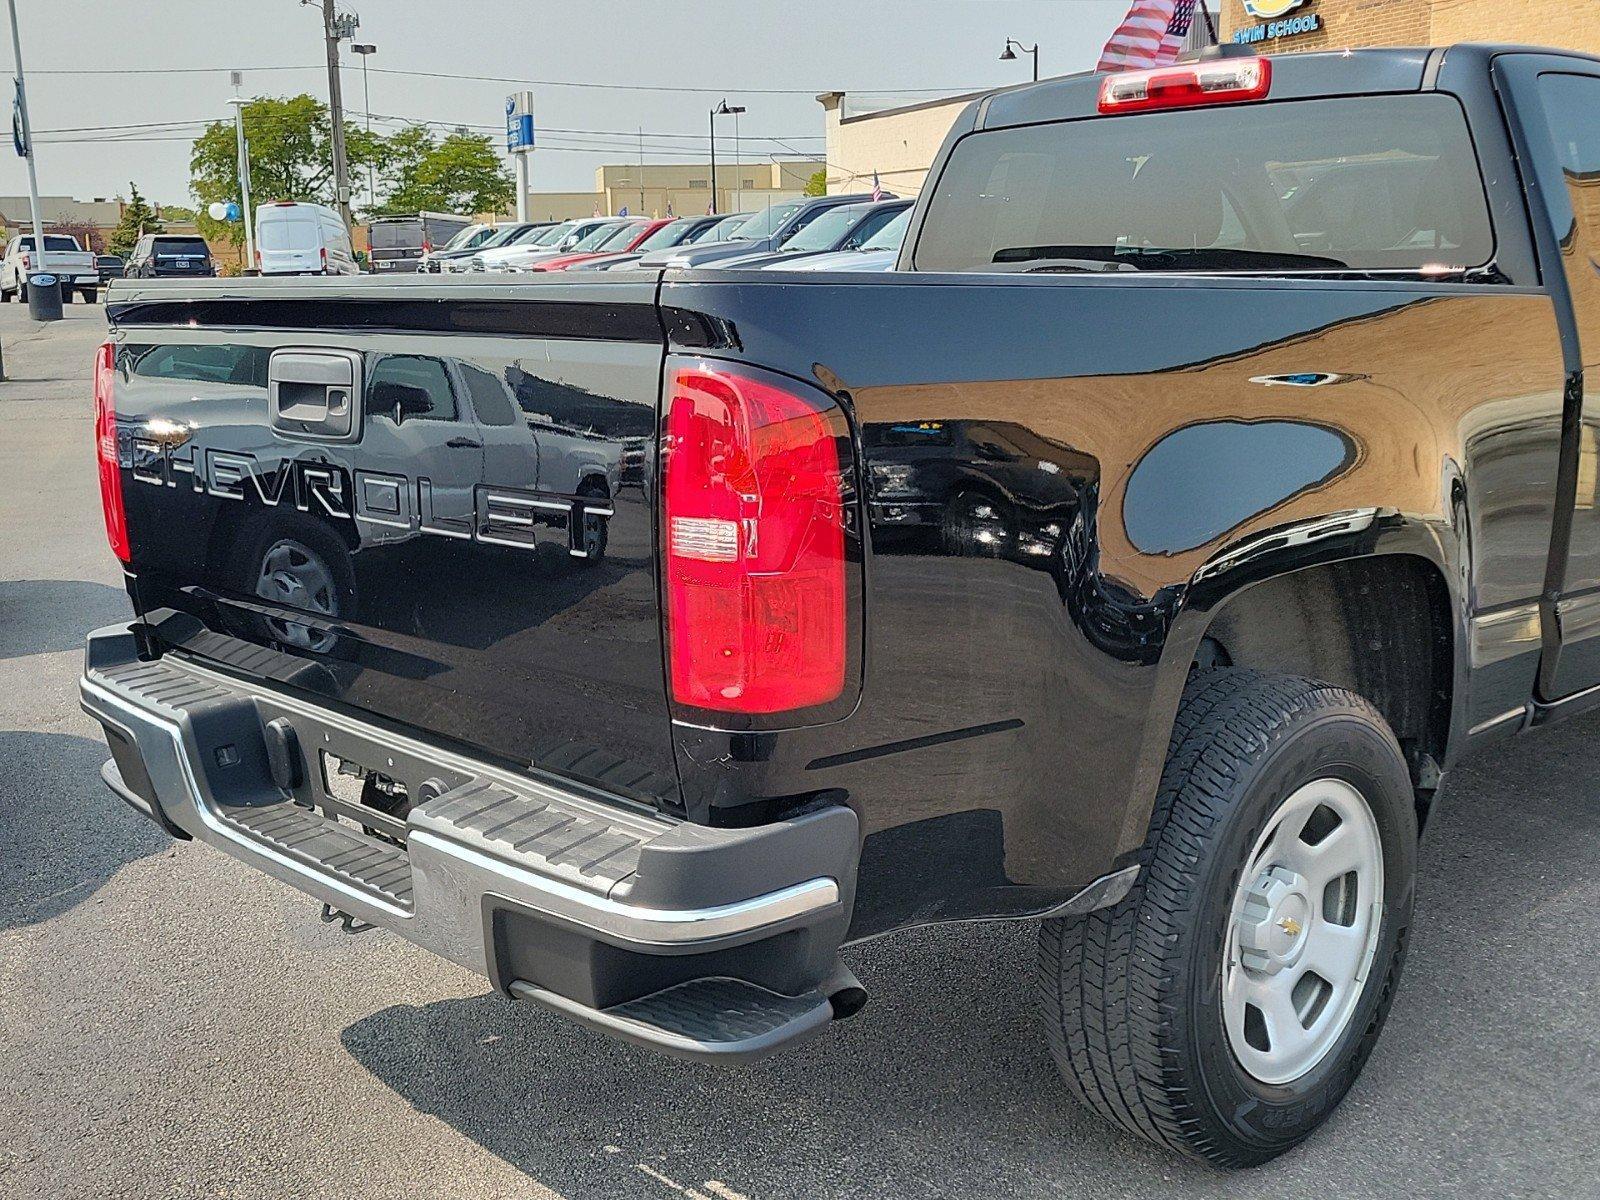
(898, 142)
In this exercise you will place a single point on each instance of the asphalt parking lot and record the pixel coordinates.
(172, 1025)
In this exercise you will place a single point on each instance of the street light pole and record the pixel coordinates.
(366, 50)
(238, 103)
(722, 110)
(27, 137)
(1009, 55)
(713, 123)
(738, 165)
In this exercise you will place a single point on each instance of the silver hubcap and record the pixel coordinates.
(294, 577)
(1302, 931)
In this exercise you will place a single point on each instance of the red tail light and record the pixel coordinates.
(25, 262)
(105, 449)
(753, 522)
(1223, 81)
(324, 258)
(427, 247)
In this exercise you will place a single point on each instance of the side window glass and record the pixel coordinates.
(405, 387)
(491, 399)
(1571, 106)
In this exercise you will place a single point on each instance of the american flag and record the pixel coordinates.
(877, 188)
(1151, 35)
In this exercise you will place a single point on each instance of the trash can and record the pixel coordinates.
(44, 297)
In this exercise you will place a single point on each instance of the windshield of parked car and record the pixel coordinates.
(724, 229)
(763, 223)
(594, 238)
(547, 236)
(671, 234)
(891, 235)
(470, 236)
(619, 237)
(828, 230)
(1371, 183)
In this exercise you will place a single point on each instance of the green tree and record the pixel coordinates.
(138, 219)
(817, 185)
(460, 174)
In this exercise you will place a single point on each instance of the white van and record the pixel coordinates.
(302, 239)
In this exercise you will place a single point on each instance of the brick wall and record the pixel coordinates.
(1569, 24)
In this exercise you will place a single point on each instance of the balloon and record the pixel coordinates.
(233, 211)
(218, 211)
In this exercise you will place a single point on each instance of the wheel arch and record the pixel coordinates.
(1319, 598)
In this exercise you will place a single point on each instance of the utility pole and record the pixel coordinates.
(333, 28)
(245, 213)
(641, 170)
(27, 137)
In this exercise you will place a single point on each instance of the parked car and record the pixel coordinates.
(296, 238)
(170, 255)
(397, 245)
(877, 253)
(680, 231)
(506, 235)
(582, 235)
(847, 227)
(1141, 557)
(553, 240)
(460, 246)
(109, 267)
(63, 257)
(621, 240)
(763, 232)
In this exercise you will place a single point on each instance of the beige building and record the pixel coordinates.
(897, 142)
(651, 189)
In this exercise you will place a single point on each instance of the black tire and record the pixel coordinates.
(66, 295)
(89, 295)
(1132, 993)
(22, 293)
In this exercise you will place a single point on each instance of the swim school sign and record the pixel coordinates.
(1266, 10)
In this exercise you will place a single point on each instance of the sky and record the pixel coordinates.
(159, 70)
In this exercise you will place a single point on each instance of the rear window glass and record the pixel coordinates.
(51, 242)
(296, 233)
(184, 246)
(1370, 183)
(396, 235)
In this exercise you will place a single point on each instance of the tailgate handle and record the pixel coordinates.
(313, 393)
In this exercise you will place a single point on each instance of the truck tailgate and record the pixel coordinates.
(432, 503)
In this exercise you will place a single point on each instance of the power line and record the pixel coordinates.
(512, 79)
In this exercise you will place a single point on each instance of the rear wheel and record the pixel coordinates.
(294, 564)
(1226, 1005)
(90, 295)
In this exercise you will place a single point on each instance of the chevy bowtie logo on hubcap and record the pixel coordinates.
(1290, 926)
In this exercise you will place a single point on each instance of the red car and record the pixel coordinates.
(620, 242)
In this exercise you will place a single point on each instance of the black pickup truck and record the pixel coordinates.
(1217, 469)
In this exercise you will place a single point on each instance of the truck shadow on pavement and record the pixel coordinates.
(46, 616)
(942, 1086)
(62, 832)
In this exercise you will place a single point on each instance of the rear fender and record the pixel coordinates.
(1302, 545)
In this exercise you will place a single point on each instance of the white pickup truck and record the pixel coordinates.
(64, 258)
